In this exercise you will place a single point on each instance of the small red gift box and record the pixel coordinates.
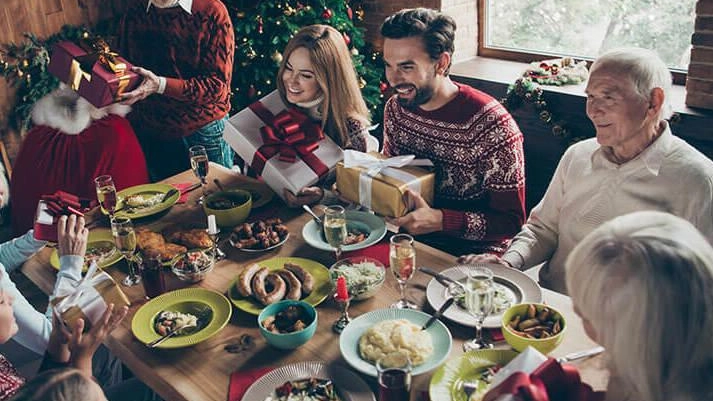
(93, 70)
(51, 208)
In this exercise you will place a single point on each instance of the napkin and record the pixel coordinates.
(378, 251)
(182, 186)
(241, 380)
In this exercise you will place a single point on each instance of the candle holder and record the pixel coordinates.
(218, 254)
(344, 319)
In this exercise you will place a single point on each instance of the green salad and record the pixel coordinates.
(360, 277)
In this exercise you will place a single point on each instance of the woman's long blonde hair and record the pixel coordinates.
(335, 74)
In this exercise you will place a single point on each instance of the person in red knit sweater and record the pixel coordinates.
(473, 142)
(71, 143)
(185, 49)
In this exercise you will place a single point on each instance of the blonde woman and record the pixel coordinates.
(317, 75)
(643, 285)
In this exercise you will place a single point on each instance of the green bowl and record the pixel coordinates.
(518, 342)
(228, 216)
(288, 340)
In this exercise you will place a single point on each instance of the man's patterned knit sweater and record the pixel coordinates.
(476, 148)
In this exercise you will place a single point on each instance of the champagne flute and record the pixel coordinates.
(335, 228)
(479, 292)
(125, 239)
(106, 193)
(199, 165)
(402, 256)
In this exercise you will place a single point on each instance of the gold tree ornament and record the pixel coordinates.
(276, 57)
(362, 82)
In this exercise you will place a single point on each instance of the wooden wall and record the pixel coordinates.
(43, 18)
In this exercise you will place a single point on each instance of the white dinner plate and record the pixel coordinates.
(349, 386)
(312, 233)
(519, 286)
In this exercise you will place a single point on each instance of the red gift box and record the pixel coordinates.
(93, 70)
(51, 208)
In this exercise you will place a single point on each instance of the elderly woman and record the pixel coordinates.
(635, 163)
(643, 285)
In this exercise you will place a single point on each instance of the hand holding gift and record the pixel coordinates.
(422, 219)
(148, 86)
(72, 236)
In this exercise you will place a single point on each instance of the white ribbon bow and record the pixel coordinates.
(388, 167)
(84, 295)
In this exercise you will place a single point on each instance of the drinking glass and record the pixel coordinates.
(479, 293)
(152, 276)
(394, 375)
(402, 256)
(335, 228)
(199, 165)
(125, 239)
(106, 193)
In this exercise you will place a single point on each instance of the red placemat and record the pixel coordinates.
(379, 251)
(240, 381)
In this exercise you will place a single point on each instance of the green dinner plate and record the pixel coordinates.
(322, 284)
(349, 339)
(186, 300)
(312, 233)
(146, 189)
(97, 238)
(446, 382)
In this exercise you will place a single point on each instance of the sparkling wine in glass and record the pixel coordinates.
(479, 292)
(199, 165)
(402, 256)
(125, 240)
(106, 193)
(335, 228)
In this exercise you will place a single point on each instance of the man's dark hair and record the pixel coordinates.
(437, 30)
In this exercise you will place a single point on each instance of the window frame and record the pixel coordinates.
(679, 77)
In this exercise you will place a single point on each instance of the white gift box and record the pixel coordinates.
(527, 361)
(244, 136)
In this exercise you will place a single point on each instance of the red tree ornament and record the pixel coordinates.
(383, 87)
(347, 39)
(327, 13)
(350, 13)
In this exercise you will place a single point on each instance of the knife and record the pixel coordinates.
(581, 354)
(441, 278)
(169, 194)
(438, 313)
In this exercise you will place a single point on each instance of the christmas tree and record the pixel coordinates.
(263, 28)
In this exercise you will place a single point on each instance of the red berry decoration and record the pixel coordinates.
(327, 13)
(383, 87)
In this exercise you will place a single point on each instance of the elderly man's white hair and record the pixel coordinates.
(644, 281)
(644, 68)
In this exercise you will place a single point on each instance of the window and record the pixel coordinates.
(526, 30)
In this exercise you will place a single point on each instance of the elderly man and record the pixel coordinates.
(186, 49)
(473, 142)
(635, 163)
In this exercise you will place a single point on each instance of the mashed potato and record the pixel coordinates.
(396, 335)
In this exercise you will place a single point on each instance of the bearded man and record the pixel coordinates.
(473, 142)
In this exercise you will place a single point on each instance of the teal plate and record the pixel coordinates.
(312, 233)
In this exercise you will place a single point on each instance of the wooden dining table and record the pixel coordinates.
(202, 372)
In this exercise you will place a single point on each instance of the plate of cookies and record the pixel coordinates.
(271, 280)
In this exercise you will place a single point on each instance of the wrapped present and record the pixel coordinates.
(379, 183)
(88, 298)
(281, 144)
(51, 207)
(93, 70)
(533, 377)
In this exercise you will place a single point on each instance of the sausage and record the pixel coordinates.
(244, 283)
(304, 276)
(261, 283)
(295, 291)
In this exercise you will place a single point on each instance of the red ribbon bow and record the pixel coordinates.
(549, 382)
(63, 203)
(289, 134)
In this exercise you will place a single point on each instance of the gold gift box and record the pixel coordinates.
(107, 292)
(387, 192)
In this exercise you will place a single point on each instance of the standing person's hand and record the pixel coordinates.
(58, 345)
(423, 219)
(148, 87)
(474, 258)
(72, 236)
(306, 196)
(83, 345)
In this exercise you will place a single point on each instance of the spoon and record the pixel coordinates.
(218, 184)
(314, 216)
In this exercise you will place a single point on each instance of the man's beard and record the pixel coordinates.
(423, 95)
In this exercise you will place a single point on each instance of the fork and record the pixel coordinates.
(469, 388)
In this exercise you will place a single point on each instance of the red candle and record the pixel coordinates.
(342, 293)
